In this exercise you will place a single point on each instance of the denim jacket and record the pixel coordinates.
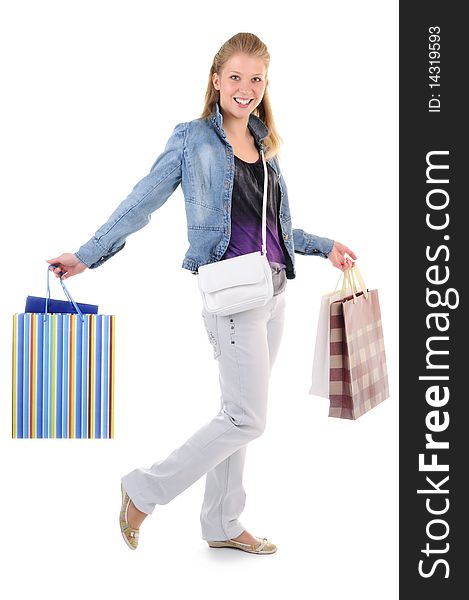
(199, 157)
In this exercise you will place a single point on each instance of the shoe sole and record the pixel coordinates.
(234, 547)
(120, 526)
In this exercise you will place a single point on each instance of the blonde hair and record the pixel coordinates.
(248, 43)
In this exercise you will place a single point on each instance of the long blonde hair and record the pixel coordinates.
(248, 43)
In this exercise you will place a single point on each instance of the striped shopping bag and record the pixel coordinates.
(63, 374)
(358, 379)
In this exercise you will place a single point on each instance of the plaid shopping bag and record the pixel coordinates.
(63, 374)
(358, 379)
(320, 372)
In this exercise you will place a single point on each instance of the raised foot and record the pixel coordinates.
(135, 517)
(246, 538)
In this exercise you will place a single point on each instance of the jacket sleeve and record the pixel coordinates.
(133, 213)
(307, 243)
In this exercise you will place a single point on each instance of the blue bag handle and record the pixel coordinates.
(66, 292)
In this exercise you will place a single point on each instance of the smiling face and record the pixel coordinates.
(241, 84)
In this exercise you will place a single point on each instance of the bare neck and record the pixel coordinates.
(236, 128)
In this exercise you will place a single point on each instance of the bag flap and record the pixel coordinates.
(239, 270)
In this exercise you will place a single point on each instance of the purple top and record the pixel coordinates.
(246, 212)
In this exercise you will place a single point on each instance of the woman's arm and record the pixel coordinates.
(307, 243)
(133, 213)
(338, 258)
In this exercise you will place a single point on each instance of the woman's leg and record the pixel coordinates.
(241, 345)
(225, 497)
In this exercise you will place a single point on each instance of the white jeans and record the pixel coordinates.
(245, 345)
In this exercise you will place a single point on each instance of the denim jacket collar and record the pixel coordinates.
(257, 127)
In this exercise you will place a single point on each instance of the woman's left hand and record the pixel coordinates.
(338, 258)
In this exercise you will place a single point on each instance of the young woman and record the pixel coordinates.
(216, 160)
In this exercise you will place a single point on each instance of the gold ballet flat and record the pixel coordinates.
(130, 535)
(263, 546)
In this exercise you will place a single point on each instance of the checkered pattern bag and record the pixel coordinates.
(358, 379)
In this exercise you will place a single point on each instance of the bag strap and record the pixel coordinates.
(355, 275)
(66, 292)
(346, 284)
(352, 279)
(264, 206)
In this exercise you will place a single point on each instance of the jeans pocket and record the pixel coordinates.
(211, 326)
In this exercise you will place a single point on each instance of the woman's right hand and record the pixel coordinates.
(68, 265)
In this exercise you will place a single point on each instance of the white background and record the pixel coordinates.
(91, 93)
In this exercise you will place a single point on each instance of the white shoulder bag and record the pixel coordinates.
(239, 283)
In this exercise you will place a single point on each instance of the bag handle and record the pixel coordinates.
(264, 206)
(66, 292)
(352, 278)
(346, 283)
(348, 278)
(356, 276)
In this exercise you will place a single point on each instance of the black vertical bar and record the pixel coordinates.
(434, 203)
